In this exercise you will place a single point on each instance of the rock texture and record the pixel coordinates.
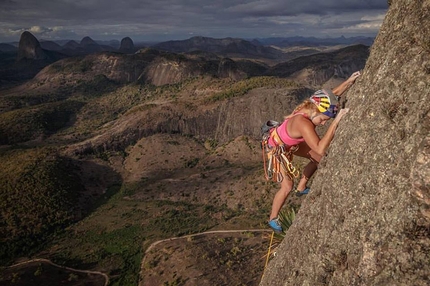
(29, 48)
(127, 46)
(367, 219)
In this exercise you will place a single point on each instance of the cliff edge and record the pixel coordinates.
(367, 219)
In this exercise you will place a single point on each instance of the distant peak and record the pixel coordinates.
(87, 41)
(127, 45)
(29, 47)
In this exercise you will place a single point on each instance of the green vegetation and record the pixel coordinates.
(38, 194)
(286, 218)
(191, 163)
(238, 256)
(29, 123)
(70, 66)
(9, 102)
(42, 273)
(95, 87)
(178, 281)
(112, 236)
(84, 65)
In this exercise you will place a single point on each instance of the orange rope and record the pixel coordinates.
(268, 254)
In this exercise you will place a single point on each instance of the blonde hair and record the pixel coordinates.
(307, 107)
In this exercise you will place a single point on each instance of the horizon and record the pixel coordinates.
(182, 39)
(159, 21)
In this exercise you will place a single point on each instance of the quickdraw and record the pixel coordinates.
(277, 159)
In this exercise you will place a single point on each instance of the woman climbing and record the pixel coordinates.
(296, 135)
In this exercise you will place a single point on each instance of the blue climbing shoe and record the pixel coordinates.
(304, 192)
(274, 224)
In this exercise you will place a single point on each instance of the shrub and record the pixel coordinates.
(29, 123)
(38, 193)
(286, 218)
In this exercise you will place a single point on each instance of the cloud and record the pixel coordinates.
(101, 19)
(313, 7)
(40, 30)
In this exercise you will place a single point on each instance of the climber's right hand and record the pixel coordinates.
(341, 113)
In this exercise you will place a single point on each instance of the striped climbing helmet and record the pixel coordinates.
(326, 102)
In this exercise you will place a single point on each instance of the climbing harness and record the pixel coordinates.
(277, 159)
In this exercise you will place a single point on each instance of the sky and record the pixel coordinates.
(162, 20)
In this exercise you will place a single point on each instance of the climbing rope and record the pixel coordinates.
(268, 254)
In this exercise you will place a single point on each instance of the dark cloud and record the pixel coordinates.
(290, 7)
(168, 19)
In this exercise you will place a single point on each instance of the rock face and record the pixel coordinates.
(127, 46)
(29, 48)
(30, 59)
(367, 219)
(226, 120)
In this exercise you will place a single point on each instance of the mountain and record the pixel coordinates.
(50, 45)
(320, 67)
(31, 56)
(127, 46)
(90, 46)
(228, 47)
(153, 145)
(71, 45)
(313, 41)
(268, 50)
(30, 48)
(7, 48)
(24, 64)
(146, 66)
(87, 41)
(111, 43)
(367, 219)
(86, 46)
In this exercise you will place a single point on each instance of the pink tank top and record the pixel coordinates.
(283, 133)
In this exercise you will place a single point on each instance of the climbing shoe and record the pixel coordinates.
(304, 192)
(274, 224)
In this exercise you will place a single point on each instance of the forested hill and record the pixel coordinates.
(367, 219)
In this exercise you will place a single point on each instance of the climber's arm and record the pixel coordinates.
(307, 131)
(346, 84)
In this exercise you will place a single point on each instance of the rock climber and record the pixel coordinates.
(296, 135)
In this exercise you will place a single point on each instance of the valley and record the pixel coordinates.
(105, 154)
